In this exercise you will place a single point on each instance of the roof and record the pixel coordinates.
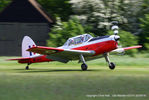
(24, 11)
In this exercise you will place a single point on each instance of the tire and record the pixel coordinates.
(112, 66)
(27, 68)
(84, 67)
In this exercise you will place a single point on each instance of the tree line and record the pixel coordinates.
(74, 17)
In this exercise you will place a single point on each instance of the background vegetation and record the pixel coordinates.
(74, 17)
(59, 32)
(4, 3)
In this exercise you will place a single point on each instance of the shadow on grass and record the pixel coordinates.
(55, 70)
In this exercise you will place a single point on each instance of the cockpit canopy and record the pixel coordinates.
(78, 40)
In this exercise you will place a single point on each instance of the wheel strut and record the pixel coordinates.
(27, 67)
(111, 64)
(84, 65)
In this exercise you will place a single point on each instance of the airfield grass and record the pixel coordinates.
(58, 81)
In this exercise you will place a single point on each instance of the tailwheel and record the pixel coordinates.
(84, 67)
(27, 68)
(112, 65)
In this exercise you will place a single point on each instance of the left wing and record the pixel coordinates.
(58, 54)
(120, 50)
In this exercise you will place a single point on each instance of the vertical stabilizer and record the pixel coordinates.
(26, 44)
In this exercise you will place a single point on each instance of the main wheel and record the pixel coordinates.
(27, 68)
(112, 66)
(84, 67)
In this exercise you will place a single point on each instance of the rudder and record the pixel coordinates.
(26, 44)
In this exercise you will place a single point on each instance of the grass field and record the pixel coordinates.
(57, 81)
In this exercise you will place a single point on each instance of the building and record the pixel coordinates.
(20, 18)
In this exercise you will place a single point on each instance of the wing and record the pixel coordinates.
(58, 54)
(120, 50)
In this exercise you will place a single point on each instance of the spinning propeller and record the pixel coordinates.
(115, 27)
(117, 37)
(115, 30)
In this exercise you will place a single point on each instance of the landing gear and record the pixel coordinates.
(27, 67)
(111, 64)
(84, 65)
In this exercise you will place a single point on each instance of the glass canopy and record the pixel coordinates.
(78, 40)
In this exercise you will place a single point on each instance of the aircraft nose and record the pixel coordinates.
(116, 37)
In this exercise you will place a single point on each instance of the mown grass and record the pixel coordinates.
(57, 81)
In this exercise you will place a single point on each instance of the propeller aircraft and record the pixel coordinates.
(82, 48)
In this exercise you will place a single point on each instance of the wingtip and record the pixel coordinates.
(140, 46)
(133, 47)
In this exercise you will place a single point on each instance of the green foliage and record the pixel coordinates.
(57, 8)
(100, 13)
(145, 7)
(4, 3)
(127, 39)
(64, 30)
(144, 36)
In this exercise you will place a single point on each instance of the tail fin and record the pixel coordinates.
(26, 44)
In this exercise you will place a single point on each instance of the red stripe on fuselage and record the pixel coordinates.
(100, 47)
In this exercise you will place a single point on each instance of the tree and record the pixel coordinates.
(100, 13)
(132, 11)
(144, 25)
(144, 36)
(3, 4)
(64, 30)
(57, 8)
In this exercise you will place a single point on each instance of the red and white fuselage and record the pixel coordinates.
(98, 46)
(90, 47)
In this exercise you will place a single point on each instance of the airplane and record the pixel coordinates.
(82, 48)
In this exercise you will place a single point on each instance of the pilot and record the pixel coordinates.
(71, 42)
(82, 38)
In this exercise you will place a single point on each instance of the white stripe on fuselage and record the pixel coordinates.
(88, 43)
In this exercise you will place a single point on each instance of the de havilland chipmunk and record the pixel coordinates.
(82, 48)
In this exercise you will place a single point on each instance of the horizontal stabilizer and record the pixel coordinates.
(19, 59)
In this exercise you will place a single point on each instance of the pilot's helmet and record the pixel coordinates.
(71, 41)
(82, 38)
